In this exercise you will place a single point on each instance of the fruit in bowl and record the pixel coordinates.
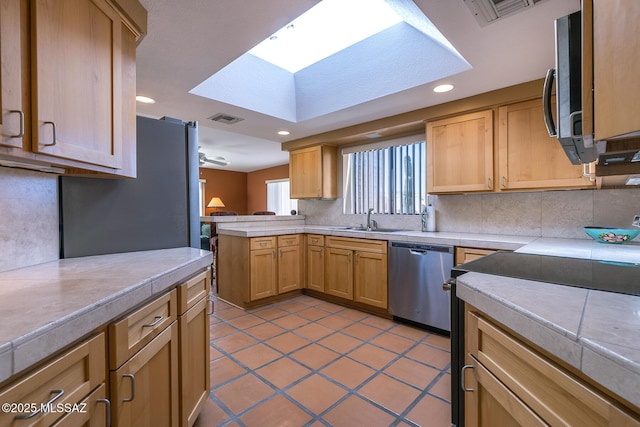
(611, 235)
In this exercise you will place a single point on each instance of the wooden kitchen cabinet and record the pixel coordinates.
(616, 57)
(290, 263)
(356, 269)
(68, 379)
(528, 158)
(460, 154)
(313, 172)
(144, 390)
(72, 87)
(510, 384)
(464, 254)
(263, 266)
(315, 262)
(194, 357)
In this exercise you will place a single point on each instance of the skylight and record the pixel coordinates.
(309, 38)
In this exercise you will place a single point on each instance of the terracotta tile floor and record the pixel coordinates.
(306, 362)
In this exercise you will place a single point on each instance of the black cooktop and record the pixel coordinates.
(608, 276)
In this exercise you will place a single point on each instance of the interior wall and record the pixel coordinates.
(230, 186)
(29, 220)
(257, 187)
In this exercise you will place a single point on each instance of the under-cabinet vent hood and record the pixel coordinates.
(488, 11)
(619, 165)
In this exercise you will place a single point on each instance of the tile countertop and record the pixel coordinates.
(48, 306)
(594, 331)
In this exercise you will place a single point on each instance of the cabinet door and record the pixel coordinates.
(144, 390)
(315, 268)
(305, 172)
(93, 411)
(13, 36)
(339, 273)
(616, 59)
(289, 268)
(460, 153)
(528, 156)
(370, 279)
(77, 81)
(194, 362)
(263, 275)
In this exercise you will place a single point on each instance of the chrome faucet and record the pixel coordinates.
(369, 219)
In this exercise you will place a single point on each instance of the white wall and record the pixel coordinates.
(28, 218)
(540, 213)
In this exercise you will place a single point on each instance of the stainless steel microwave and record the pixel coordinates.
(568, 79)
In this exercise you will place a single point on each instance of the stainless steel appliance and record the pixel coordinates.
(157, 210)
(568, 77)
(416, 274)
(585, 273)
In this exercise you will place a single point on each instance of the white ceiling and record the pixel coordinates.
(190, 40)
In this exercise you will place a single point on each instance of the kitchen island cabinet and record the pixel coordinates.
(68, 97)
(290, 263)
(315, 262)
(511, 384)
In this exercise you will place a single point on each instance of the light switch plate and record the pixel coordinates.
(636, 221)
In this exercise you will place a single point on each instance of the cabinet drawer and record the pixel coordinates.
(289, 240)
(94, 413)
(67, 380)
(262, 242)
(557, 396)
(130, 334)
(193, 290)
(464, 255)
(378, 246)
(315, 240)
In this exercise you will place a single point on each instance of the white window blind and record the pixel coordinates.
(391, 180)
(278, 200)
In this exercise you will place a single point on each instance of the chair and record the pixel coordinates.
(264, 213)
(223, 213)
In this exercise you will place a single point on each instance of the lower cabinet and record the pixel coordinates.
(508, 383)
(315, 262)
(356, 269)
(290, 263)
(464, 255)
(73, 378)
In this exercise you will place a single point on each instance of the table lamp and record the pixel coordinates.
(215, 203)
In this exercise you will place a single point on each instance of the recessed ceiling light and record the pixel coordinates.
(443, 88)
(283, 132)
(145, 99)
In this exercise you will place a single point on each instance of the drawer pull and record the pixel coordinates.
(107, 403)
(210, 299)
(157, 320)
(133, 387)
(58, 395)
(464, 388)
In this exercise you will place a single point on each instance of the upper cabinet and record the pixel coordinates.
(313, 172)
(460, 153)
(616, 59)
(79, 103)
(528, 158)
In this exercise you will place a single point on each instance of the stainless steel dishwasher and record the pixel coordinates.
(416, 275)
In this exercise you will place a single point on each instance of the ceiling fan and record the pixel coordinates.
(218, 160)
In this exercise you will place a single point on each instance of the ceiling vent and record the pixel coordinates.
(225, 118)
(488, 11)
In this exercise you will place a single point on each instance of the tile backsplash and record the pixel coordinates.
(29, 218)
(539, 213)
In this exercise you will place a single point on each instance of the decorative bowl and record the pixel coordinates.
(611, 235)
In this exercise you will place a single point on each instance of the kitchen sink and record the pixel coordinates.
(377, 230)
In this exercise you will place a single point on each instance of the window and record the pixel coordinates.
(201, 199)
(391, 180)
(278, 200)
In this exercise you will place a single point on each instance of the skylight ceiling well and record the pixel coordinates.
(325, 29)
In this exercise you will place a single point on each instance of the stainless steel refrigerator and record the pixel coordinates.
(157, 210)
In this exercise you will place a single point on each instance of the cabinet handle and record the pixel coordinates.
(55, 139)
(356, 257)
(21, 134)
(504, 182)
(58, 395)
(464, 368)
(157, 320)
(133, 387)
(107, 403)
(280, 253)
(274, 254)
(210, 299)
(489, 184)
